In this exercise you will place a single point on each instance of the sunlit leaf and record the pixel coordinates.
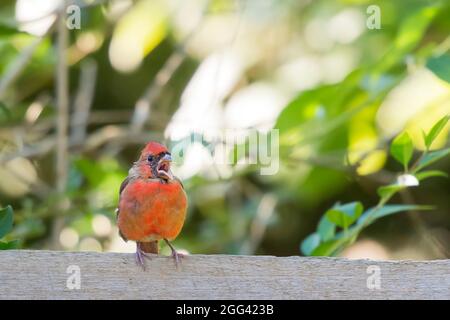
(300, 109)
(435, 130)
(137, 33)
(432, 157)
(315, 113)
(413, 27)
(363, 143)
(344, 215)
(402, 149)
(373, 162)
(430, 173)
(389, 190)
(310, 243)
(409, 35)
(424, 135)
(326, 229)
(375, 213)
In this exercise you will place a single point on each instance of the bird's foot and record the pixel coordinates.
(140, 257)
(177, 257)
(175, 254)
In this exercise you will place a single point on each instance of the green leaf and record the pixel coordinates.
(6, 220)
(440, 66)
(328, 248)
(339, 218)
(414, 26)
(410, 34)
(431, 157)
(9, 245)
(430, 173)
(389, 190)
(375, 213)
(326, 229)
(424, 136)
(294, 113)
(310, 243)
(437, 128)
(402, 149)
(344, 215)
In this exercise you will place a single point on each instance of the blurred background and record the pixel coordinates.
(80, 97)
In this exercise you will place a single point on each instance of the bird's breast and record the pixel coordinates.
(152, 210)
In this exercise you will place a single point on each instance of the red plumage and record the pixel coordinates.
(152, 204)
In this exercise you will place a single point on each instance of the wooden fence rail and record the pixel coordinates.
(26, 274)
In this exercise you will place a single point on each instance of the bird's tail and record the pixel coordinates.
(149, 247)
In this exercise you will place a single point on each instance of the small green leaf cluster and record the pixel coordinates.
(340, 226)
(6, 224)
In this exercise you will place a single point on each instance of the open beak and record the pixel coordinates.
(164, 167)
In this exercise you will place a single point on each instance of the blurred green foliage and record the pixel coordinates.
(6, 225)
(350, 217)
(334, 131)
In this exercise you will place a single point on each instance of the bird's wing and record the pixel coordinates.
(122, 187)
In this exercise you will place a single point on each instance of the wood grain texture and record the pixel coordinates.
(26, 274)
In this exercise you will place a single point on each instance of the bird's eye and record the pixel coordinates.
(150, 158)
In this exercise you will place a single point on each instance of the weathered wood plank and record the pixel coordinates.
(26, 274)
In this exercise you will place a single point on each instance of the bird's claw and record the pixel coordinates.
(177, 257)
(140, 260)
(140, 257)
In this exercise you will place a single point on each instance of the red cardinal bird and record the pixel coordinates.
(152, 204)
